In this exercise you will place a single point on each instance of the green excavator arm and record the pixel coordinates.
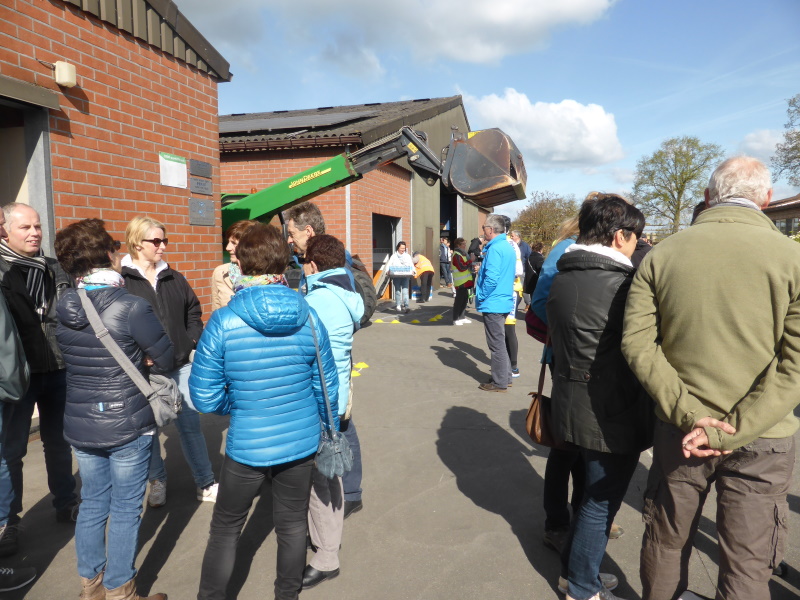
(483, 166)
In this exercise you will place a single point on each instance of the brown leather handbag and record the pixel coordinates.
(537, 422)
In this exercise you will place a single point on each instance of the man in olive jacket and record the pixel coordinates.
(712, 331)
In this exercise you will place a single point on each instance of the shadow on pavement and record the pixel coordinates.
(38, 525)
(492, 469)
(167, 523)
(258, 527)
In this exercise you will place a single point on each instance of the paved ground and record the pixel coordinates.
(452, 491)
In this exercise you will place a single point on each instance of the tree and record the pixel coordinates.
(786, 161)
(540, 220)
(670, 182)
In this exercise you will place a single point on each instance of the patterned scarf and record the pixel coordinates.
(98, 278)
(246, 281)
(36, 268)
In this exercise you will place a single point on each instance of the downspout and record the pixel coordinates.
(347, 231)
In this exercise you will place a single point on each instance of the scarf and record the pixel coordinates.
(36, 268)
(98, 278)
(245, 281)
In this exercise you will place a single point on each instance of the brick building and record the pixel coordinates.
(785, 214)
(371, 215)
(146, 83)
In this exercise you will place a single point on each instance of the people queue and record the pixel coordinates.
(277, 401)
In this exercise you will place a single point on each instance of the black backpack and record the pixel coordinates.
(365, 289)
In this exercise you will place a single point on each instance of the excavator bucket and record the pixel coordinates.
(485, 167)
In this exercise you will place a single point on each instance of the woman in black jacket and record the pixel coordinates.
(598, 405)
(147, 275)
(107, 420)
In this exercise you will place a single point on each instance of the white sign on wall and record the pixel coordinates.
(172, 169)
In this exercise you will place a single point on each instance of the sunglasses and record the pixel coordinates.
(117, 245)
(158, 241)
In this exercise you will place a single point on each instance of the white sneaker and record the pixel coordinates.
(604, 594)
(457, 322)
(466, 321)
(208, 493)
(158, 493)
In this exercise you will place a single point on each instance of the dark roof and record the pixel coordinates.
(327, 126)
(776, 205)
(160, 24)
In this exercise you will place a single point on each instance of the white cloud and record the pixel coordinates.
(353, 59)
(564, 134)
(761, 143)
(623, 176)
(473, 31)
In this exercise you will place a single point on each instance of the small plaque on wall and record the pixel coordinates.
(201, 212)
(201, 186)
(199, 168)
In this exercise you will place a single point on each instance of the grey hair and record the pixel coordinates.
(9, 209)
(739, 177)
(496, 222)
(515, 233)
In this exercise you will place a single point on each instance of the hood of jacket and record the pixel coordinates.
(270, 309)
(70, 310)
(337, 281)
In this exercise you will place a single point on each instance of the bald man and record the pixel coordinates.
(30, 283)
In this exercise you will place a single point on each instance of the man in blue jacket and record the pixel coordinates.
(494, 297)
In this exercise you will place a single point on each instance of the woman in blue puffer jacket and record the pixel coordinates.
(257, 361)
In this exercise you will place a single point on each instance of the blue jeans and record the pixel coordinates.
(114, 481)
(401, 291)
(607, 479)
(192, 441)
(49, 392)
(5, 478)
(351, 481)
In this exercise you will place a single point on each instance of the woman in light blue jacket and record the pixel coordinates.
(257, 361)
(340, 308)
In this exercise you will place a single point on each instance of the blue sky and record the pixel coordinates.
(585, 87)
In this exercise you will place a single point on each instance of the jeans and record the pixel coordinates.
(401, 291)
(425, 282)
(5, 479)
(560, 464)
(49, 392)
(446, 273)
(351, 481)
(114, 482)
(192, 441)
(494, 327)
(607, 479)
(290, 485)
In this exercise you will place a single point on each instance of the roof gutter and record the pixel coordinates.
(288, 144)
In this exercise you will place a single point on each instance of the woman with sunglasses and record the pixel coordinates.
(147, 275)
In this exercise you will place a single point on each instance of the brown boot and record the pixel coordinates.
(93, 588)
(128, 592)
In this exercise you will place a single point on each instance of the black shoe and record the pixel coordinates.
(13, 579)
(8, 540)
(68, 515)
(556, 539)
(352, 506)
(312, 577)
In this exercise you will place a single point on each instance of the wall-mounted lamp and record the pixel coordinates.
(65, 74)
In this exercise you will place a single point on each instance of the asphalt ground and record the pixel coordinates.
(452, 490)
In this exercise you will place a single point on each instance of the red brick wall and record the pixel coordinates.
(385, 191)
(132, 101)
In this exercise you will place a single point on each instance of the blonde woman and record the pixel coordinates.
(148, 276)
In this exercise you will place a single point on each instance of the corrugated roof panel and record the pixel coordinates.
(295, 122)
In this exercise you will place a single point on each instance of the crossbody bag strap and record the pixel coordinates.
(111, 345)
(322, 375)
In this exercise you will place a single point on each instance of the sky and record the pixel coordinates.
(586, 88)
